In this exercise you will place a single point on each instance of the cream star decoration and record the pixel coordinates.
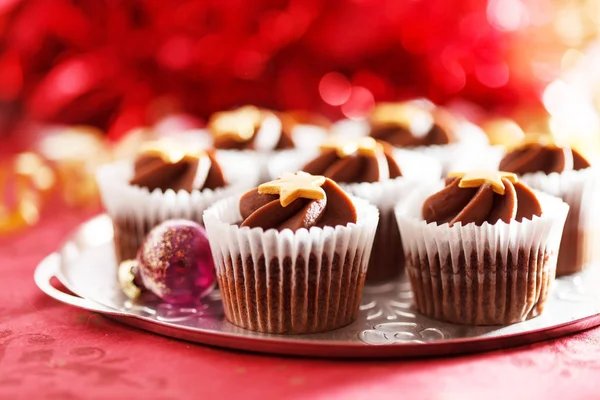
(169, 151)
(293, 186)
(239, 124)
(473, 179)
(347, 147)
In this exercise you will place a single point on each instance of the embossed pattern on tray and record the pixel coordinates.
(386, 316)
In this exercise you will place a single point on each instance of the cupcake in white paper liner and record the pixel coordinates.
(351, 129)
(141, 194)
(563, 172)
(421, 126)
(291, 280)
(309, 137)
(468, 149)
(378, 174)
(481, 273)
(252, 131)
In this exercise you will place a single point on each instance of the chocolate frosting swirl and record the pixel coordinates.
(358, 167)
(265, 210)
(413, 124)
(239, 129)
(478, 205)
(537, 157)
(154, 170)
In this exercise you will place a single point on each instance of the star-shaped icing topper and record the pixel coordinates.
(346, 147)
(170, 151)
(239, 125)
(473, 179)
(293, 186)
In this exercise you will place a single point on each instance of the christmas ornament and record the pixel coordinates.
(175, 262)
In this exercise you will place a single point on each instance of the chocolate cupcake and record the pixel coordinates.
(413, 124)
(251, 131)
(165, 181)
(369, 169)
(422, 126)
(563, 172)
(291, 256)
(248, 128)
(482, 249)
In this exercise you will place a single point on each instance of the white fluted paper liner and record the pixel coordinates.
(258, 160)
(581, 237)
(308, 137)
(387, 258)
(481, 275)
(472, 157)
(135, 210)
(351, 128)
(290, 282)
(194, 138)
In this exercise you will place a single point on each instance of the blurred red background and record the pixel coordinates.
(76, 72)
(119, 64)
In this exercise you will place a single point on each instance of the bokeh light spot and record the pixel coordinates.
(494, 75)
(334, 88)
(571, 58)
(73, 78)
(557, 96)
(359, 104)
(507, 15)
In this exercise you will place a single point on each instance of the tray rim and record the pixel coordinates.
(288, 345)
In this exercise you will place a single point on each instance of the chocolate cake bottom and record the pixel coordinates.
(387, 256)
(292, 296)
(579, 247)
(576, 251)
(489, 293)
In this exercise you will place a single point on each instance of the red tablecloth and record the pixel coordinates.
(52, 351)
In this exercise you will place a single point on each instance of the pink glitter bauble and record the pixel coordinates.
(175, 262)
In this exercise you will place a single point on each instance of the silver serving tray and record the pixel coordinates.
(387, 326)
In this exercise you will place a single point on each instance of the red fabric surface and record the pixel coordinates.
(52, 351)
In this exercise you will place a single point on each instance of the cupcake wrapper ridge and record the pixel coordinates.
(135, 210)
(290, 282)
(580, 244)
(481, 275)
(387, 258)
